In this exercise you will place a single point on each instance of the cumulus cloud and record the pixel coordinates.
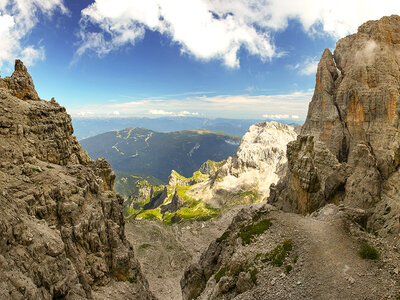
(217, 29)
(232, 106)
(17, 19)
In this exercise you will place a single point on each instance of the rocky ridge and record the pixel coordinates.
(61, 225)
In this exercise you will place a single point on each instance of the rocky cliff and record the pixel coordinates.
(61, 225)
(349, 147)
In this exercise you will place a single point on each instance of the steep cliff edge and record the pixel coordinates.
(61, 225)
(349, 147)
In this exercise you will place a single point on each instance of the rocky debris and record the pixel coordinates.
(246, 177)
(349, 147)
(61, 225)
(295, 257)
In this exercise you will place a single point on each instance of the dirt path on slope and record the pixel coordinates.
(329, 265)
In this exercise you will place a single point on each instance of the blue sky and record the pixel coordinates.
(208, 58)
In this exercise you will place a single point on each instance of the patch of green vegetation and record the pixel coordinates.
(110, 196)
(221, 273)
(224, 236)
(198, 210)
(151, 214)
(49, 167)
(199, 176)
(216, 165)
(247, 233)
(251, 195)
(167, 218)
(144, 246)
(277, 256)
(253, 275)
(368, 252)
(177, 175)
(295, 258)
(288, 268)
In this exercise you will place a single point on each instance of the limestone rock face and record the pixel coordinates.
(61, 225)
(258, 162)
(353, 120)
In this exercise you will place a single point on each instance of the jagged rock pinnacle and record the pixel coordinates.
(20, 83)
(20, 67)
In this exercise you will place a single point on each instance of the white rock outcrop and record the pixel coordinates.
(257, 164)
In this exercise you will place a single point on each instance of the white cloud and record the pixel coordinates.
(30, 54)
(307, 67)
(200, 27)
(232, 106)
(17, 19)
(161, 112)
(217, 29)
(281, 117)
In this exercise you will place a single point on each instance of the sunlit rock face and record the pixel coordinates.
(349, 147)
(258, 162)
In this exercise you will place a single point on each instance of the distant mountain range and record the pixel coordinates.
(85, 128)
(143, 151)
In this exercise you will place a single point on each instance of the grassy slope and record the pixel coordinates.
(193, 209)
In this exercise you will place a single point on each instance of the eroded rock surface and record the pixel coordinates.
(61, 225)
